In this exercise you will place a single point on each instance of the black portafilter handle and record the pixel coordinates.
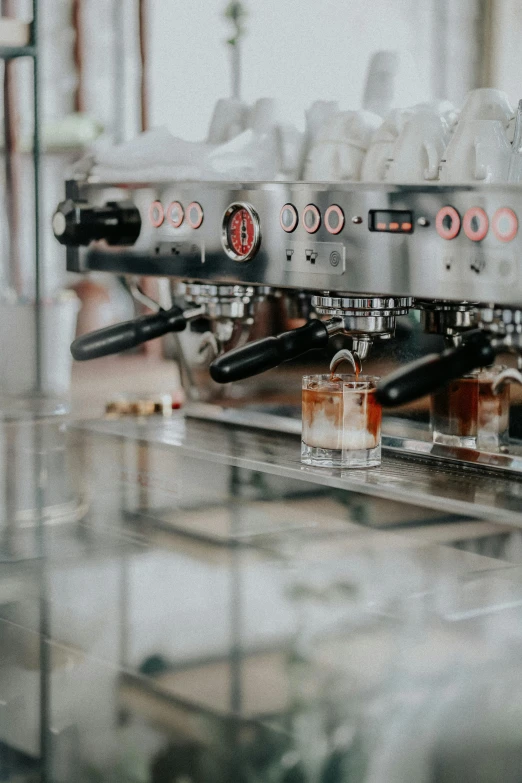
(128, 334)
(257, 357)
(432, 372)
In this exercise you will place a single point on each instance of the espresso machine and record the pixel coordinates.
(413, 557)
(349, 258)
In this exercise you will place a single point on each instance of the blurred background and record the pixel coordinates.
(109, 69)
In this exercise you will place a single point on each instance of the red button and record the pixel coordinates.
(194, 214)
(334, 219)
(311, 218)
(448, 223)
(175, 214)
(505, 224)
(156, 214)
(476, 224)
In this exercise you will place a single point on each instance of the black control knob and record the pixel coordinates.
(78, 223)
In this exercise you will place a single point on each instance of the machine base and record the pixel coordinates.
(400, 437)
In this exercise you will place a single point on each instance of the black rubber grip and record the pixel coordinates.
(129, 334)
(434, 371)
(262, 355)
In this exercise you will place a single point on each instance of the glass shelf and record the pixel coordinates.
(415, 481)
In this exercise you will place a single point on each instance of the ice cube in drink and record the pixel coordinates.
(493, 412)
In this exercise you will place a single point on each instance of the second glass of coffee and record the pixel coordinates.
(467, 413)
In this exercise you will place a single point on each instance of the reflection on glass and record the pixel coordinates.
(173, 651)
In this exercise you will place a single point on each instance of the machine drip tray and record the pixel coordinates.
(401, 436)
(413, 472)
(407, 446)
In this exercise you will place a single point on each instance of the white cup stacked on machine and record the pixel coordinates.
(427, 142)
(340, 147)
(480, 149)
(381, 142)
(380, 151)
(410, 143)
(418, 149)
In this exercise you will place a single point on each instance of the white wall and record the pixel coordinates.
(507, 51)
(296, 50)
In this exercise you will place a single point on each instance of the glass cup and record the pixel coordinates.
(467, 413)
(341, 421)
(493, 411)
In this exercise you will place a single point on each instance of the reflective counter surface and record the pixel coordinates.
(441, 487)
(183, 602)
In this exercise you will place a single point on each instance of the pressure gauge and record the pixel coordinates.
(241, 232)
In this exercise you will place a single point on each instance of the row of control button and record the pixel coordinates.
(334, 219)
(476, 224)
(175, 214)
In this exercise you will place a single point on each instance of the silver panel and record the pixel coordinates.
(421, 264)
(317, 258)
(400, 437)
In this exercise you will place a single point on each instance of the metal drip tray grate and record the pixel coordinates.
(429, 482)
(401, 436)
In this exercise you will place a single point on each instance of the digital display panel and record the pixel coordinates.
(391, 221)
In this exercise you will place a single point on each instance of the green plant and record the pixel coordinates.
(236, 13)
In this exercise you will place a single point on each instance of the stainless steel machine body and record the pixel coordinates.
(358, 254)
(414, 262)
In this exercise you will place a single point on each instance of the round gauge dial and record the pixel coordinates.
(241, 233)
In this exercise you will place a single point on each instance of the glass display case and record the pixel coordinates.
(185, 601)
